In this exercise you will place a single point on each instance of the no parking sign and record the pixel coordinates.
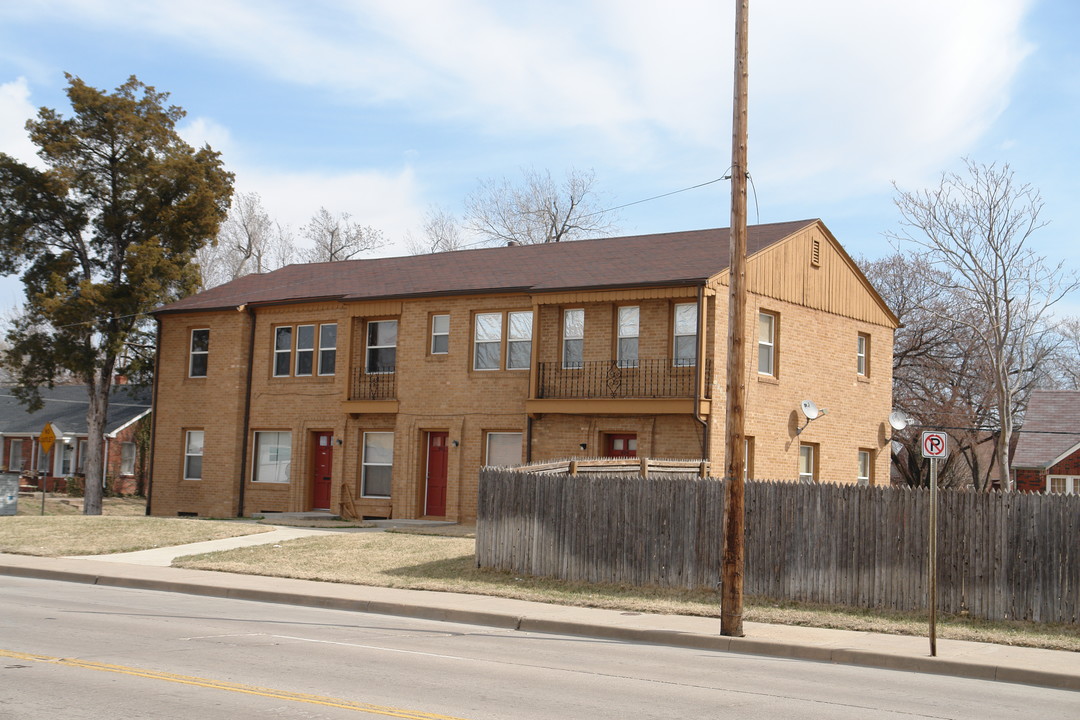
(935, 444)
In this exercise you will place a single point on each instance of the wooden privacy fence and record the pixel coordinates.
(1000, 556)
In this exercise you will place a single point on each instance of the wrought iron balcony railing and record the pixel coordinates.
(380, 384)
(660, 378)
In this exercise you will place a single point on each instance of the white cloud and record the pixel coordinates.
(387, 202)
(15, 110)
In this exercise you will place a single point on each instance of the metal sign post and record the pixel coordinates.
(46, 440)
(935, 445)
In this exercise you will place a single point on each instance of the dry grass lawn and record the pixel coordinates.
(99, 535)
(60, 504)
(447, 563)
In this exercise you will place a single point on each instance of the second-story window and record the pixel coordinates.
(282, 351)
(200, 352)
(487, 341)
(684, 343)
(628, 336)
(327, 348)
(519, 340)
(382, 346)
(305, 349)
(573, 355)
(862, 352)
(766, 344)
(440, 334)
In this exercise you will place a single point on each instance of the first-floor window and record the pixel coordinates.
(193, 452)
(273, 456)
(503, 449)
(127, 458)
(15, 456)
(864, 467)
(806, 462)
(1062, 484)
(378, 464)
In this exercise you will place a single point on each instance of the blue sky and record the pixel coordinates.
(383, 108)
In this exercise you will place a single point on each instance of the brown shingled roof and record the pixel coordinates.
(1051, 428)
(680, 258)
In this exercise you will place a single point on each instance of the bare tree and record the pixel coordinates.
(973, 231)
(337, 238)
(1066, 365)
(441, 233)
(249, 241)
(537, 209)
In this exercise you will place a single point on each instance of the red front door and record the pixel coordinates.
(435, 500)
(322, 469)
(623, 445)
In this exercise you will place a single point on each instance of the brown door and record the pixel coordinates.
(622, 445)
(322, 469)
(435, 502)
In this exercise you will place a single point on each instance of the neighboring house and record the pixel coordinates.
(1047, 457)
(65, 407)
(394, 380)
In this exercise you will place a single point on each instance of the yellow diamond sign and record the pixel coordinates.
(47, 438)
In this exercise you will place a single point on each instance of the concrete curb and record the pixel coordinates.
(432, 606)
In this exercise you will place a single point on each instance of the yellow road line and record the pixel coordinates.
(231, 687)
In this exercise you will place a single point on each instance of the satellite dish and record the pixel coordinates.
(899, 420)
(810, 409)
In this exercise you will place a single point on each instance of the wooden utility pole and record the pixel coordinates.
(731, 589)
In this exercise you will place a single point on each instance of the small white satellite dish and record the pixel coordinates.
(810, 409)
(899, 420)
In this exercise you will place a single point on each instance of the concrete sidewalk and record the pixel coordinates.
(148, 570)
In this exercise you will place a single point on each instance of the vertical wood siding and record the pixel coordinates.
(1010, 556)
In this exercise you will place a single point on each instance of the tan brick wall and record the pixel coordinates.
(443, 393)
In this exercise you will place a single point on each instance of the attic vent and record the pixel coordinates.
(815, 252)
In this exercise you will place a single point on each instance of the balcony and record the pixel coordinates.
(645, 379)
(372, 392)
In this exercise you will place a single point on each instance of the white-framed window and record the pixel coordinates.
(200, 352)
(684, 342)
(273, 456)
(305, 350)
(440, 334)
(282, 350)
(381, 346)
(80, 461)
(628, 330)
(127, 458)
(865, 467)
(503, 449)
(15, 456)
(519, 340)
(44, 460)
(378, 464)
(1062, 484)
(193, 454)
(807, 462)
(573, 355)
(862, 354)
(487, 341)
(67, 458)
(327, 348)
(766, 364)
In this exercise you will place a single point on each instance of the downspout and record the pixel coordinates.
(701, 373)
(247, 411)
(153, 420)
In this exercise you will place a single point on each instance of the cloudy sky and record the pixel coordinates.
(383, 108)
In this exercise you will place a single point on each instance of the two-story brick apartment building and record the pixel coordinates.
(399, 378)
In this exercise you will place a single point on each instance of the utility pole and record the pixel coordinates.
(731, 589)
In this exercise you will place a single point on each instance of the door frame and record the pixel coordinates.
(313, 465)
(609, 439)
(428, 434)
